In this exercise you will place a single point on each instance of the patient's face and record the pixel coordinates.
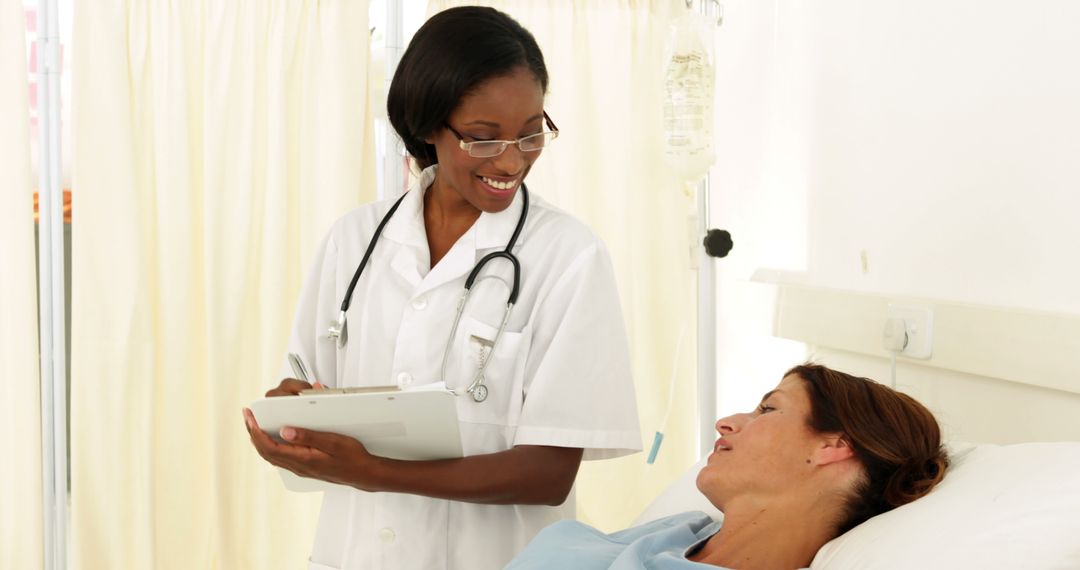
(764, 452)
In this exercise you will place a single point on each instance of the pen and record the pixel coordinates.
(298, 368)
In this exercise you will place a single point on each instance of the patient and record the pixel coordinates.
(823, 452)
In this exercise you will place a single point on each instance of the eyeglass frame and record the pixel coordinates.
(467, 146)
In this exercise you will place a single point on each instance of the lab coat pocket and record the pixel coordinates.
(503, 377)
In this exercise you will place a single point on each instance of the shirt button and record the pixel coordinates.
(404, 379)
(419, 303)
(387, 535)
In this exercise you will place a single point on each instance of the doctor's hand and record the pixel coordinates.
(320, 455)
(291, 387)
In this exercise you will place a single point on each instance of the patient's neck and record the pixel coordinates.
(777, 535)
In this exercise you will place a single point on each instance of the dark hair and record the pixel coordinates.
(895, 437)
(451, 54)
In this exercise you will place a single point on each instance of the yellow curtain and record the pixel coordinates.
(216, 142)
(20, 405)
(606, 64)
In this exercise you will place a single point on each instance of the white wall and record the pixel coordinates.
(916, 148)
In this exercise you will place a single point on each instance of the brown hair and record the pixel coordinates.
(895, 437)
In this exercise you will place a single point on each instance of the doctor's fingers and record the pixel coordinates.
(332, 444)
(288, 387)
(260, 440)
(269, 448)
(297, 458)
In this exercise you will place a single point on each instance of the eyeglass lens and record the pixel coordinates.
(531, 143)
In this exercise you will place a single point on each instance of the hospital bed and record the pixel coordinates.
(999, 506)
(1001, 377)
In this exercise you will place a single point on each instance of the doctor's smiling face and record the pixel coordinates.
(505, 107)
(469, 75)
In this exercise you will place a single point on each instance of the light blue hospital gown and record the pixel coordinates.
(658, 545)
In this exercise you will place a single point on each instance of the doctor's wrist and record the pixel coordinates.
(373, 475)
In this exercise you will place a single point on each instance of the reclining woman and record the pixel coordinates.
(823, 452)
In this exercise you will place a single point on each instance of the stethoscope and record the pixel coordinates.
(479, 392)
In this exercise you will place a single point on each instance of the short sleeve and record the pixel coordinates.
(578, 388)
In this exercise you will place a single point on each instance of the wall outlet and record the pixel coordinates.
(919, 325)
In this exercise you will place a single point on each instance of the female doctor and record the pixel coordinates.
(541, 387)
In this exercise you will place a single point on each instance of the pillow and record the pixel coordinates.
(1013, 506)
(680, 496)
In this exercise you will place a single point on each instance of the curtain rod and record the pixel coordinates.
(51, 305)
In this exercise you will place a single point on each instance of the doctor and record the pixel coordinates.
(543, 384)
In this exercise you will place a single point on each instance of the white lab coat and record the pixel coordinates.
(560, 374)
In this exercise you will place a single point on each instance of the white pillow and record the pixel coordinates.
(1013, 506)
(680, 496)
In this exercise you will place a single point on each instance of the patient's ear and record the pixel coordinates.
(833, 448)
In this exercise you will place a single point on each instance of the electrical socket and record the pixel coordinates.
(919, 325)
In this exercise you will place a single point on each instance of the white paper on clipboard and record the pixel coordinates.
(410, 424)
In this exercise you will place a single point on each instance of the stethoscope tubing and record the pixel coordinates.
(367, 253)
(476, 388)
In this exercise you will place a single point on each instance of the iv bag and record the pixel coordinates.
(689, 82)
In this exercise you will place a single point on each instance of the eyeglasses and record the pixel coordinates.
(488, 149)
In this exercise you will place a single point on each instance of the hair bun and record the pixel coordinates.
(915, 478)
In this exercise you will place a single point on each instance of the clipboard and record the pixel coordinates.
(407, 424)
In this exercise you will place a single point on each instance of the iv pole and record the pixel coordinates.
(706, 297)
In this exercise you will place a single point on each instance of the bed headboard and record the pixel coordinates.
(996, 375)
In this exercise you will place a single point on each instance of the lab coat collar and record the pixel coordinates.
(406, 226)
(491, 230)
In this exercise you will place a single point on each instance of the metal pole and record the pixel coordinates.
(706, 329)
(706, 297)
(394, 160)
(51, 291)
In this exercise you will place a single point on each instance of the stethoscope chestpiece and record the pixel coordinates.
(339, 330)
